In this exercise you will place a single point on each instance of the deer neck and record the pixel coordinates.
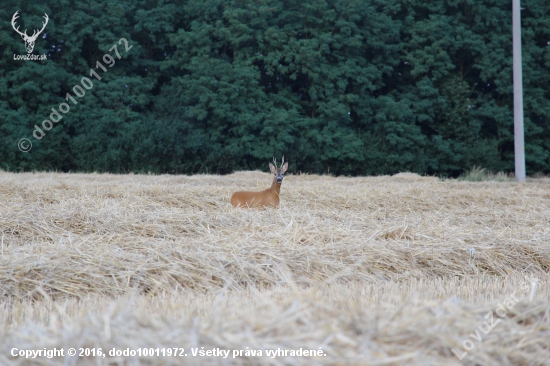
(275, 187)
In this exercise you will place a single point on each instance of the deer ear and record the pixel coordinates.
(272, 168)
(284, 167)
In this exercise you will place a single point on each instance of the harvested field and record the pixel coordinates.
(371, 271)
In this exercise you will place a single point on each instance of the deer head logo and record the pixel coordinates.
(29, 41)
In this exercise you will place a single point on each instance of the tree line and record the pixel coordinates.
(349, 87)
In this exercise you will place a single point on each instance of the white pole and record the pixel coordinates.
(519, 148)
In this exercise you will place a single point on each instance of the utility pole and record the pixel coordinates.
(519, 147)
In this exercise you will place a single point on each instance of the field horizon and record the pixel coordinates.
(389, 270)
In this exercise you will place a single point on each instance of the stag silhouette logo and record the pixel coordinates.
(29, 40)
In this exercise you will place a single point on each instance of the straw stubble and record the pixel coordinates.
(379, 270)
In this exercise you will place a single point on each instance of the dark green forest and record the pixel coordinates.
(349, 87)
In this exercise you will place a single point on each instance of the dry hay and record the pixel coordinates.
(377, 270)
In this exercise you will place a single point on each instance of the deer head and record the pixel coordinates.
(279, 172)
(29, 41)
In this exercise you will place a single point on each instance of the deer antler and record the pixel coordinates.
(25, 35)
(275, 162)
(44, 24)
(34, 34)
(15, 16)
(283, 162)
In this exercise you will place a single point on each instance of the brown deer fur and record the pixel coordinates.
(266, 198)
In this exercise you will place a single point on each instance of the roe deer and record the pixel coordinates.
(266, 198)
